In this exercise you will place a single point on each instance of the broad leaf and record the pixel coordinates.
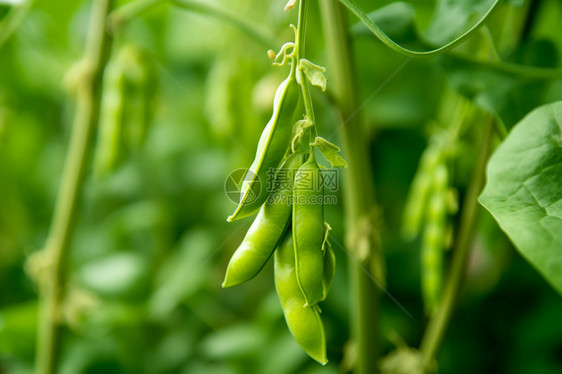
(452, 18)
(396, 19)
(524, 189)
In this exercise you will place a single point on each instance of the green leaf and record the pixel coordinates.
(524, 191)
(314, 73)
(116, 275)
(330, 152)
(508, 94)
(397, 20)
(451, 18)
(392, 44)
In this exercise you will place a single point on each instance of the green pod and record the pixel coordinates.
(110, 129)
(434, 240)
(432, 266)
(415, 204)
(266, 231)
(437, 206)
(139, 88)
(308, 230)
(440, 178)
(272, 146)
(221, 94)
(420, 190)
(304, 323)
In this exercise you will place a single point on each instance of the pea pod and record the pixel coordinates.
(420, 190)
(139, 87)
(273, 144)
(304, 323)
(434, 240)
(266, 231)
(108, 147)
(308, 230)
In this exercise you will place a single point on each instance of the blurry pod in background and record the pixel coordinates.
(229, 86)
(110, 129)
(126, 108)
(140, 85)
(419, 193)
(220, 97)
(426, 211)
(434, 239)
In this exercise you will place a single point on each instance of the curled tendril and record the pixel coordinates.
(286, 53)
(288, 50)
(295, 31)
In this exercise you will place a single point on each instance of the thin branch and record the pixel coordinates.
(61, 231)
(360, 202)
(131, 10)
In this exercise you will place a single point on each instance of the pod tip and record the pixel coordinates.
(225, 282)
(321, 359)
(228, 282)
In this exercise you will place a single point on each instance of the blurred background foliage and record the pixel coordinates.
(151, 242)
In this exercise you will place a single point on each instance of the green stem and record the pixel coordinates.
(133, 9)
(307, 98)
(259, 35)
(60, 235)
(438, 323)
(360, 189)
(129, 11)
(301, 29)
(299, 53)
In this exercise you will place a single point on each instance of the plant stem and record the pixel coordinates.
(242, 24)
(438, 323)
(360, 189)
(60, 235)
(299, 53)
(129, 11)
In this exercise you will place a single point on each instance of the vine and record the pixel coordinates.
(57, 247)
